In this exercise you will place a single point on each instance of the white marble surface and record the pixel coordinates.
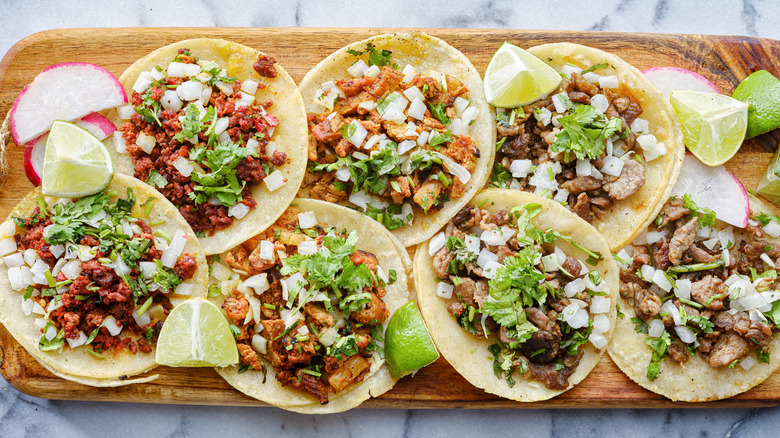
(24, 416)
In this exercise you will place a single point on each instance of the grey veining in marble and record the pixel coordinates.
(24, 416)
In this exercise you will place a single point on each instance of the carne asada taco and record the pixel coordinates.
(701, 302)
(522, 280)
(310, 298)
(607, 143)
(85, 284)
(219, 129)
(399, 129)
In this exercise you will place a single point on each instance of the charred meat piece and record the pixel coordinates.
(729, 347)
(682, 240)
(631, 179)
(709, 291)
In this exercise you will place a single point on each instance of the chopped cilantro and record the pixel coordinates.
(705, 215)
(156, 180)
(585, 132)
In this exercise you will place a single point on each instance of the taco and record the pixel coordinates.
(701, 303)
(86, 284)
(219, 129)
(517, 294)
(606, 142)
(399, 129)
(310, 298)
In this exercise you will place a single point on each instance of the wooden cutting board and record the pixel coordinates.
(723, 60)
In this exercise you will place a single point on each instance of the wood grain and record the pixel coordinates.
(723, 60)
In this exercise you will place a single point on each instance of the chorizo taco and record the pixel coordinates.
(310, 298)
(701, 302)
(86, 283)
(400, 130)
(219, 129)
(517, 293)
(606, 143)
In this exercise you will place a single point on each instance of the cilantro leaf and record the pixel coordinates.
(658, 346)
(438, 138)
(585, 132)
(705, 215)
(439, 112)
(156, 180)
(461, 255)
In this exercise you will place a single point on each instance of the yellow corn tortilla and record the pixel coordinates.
(289, 136)
(625, 219)
(696, 380)
(469, 354)
(374, 238)
(424, 53)
(77, 364)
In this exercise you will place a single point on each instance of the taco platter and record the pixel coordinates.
(611, 389)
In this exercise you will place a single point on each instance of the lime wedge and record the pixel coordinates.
(515, 77)
(714, 125)
(75, 163)
(769, 185)
(762, 91)
(408, 345)
(196, 334)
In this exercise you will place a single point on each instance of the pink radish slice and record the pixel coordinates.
(714, 188)
(63, 92)
(33, 160)
(98, 125)
(674, 78)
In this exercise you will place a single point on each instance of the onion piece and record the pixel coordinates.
(437, 243)
(656, 328)
(444, 290)
(274, 181)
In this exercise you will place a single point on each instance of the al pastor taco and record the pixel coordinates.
(219, 129)
(606, 143)
(310, 298)
(86, 284)
(517, 293)
(701, 303)
(399, 129)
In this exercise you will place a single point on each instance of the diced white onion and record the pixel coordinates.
(259, 344)
(575, 316)
(460, 104)
(601, 323)
(184, 289)
(655, 236)
(685, 334)
(125, 111)
(489, 271)
(274, 181)
(413, 93)
(598, 340)
(142, 83)
(544, 115)
(109, 322)
(436, 243)
(520, 168)
(574, 287)
(145, 142)
(600, 304)
(673, 311)
(472, 243)
(647, 272)
(609, 81)
(659, 278)
(584, 168)
(171, 100)
(71, 269)
(444, 290)
(183, 165)
(14, 260)
(600, 103)
(683, 289)
(189, 90)
(549, 262)
(51, 332)
(640, 126)
(591, 77)
(307, 247)
(772, 228)
(561, 102)
(612, 166)
(748, 363)
(647, 141)
(267, 250)
(568, 69)
(249, 86)
(238, 210)
(142, 320)
(656, 328)
(469, 115)
(486, 256)
(358, 69)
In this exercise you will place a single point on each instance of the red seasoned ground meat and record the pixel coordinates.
(265, 66)
(185, 267)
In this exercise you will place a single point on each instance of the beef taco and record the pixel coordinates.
(399, 129)
(86, 284)
(219, 129)
(310, 298)
(606, 143)
(701, 302)
(517, 293)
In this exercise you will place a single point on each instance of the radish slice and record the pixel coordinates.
(98, 125)
(714, 188)
(63, 92)
(674, 78)
(33, 160)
